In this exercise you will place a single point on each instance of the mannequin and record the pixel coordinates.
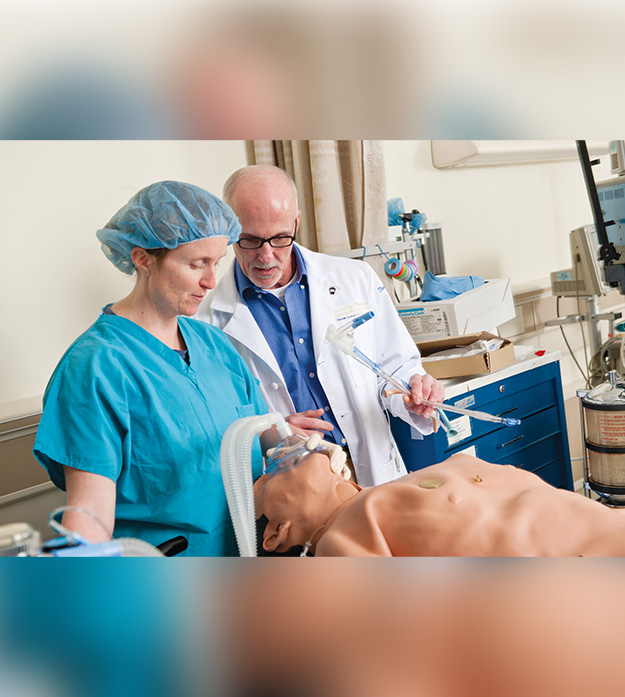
(461, 507)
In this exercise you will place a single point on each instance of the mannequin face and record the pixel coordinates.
(296, 502)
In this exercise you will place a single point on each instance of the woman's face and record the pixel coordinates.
(178, 282)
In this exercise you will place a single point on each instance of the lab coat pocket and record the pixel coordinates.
(388, 471)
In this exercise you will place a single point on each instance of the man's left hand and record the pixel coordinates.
(423, 387)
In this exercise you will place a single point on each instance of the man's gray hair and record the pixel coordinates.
(255, 172)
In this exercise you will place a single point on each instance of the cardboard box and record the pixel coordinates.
(471, 365)
(481, 309)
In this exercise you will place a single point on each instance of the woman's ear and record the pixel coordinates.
(275, 534)
(141, 259)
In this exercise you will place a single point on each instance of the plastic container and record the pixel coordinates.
(604, 430)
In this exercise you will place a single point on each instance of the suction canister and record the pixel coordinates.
(604, 434)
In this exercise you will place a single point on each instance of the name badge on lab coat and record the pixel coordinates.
(347, 312)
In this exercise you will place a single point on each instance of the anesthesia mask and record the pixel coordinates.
(292, 450)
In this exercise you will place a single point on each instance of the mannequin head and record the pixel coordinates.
(299, 502)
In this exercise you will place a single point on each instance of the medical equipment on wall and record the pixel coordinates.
(343, 338)
(22, 540)
(417, 248)
(607, 201)
(595, 253)
(602, 415)
(432, 248)
(401, 271)
(429, 236)
(583, 281)
(236, 469)
(426, 239)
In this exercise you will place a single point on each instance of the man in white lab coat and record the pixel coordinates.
(275, 304)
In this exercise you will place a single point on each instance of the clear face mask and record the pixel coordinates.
(291, 451)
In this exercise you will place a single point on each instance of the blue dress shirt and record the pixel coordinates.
(285, 324)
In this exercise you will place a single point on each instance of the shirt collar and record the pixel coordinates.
(245, 286)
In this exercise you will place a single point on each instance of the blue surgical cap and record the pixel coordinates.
(166, 214)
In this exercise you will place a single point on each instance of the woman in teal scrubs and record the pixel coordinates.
(136, 409)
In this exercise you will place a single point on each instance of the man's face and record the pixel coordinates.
(266, 211)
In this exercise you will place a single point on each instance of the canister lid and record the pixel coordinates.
(610, 393)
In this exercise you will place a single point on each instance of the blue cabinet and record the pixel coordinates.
(539, 444)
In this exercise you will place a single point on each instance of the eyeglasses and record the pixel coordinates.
(279, 241)
(257, 242)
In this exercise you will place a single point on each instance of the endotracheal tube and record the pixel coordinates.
(343, 338)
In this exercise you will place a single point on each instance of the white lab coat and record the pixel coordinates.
(340, 289)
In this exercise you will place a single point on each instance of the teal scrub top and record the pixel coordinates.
(122, 404)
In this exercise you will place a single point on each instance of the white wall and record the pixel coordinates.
(507, 221)
(53, 276)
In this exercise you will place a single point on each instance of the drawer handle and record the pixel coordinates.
(503, 413)
(510, 442)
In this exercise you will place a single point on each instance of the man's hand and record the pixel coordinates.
(309, 421)
(423, 387)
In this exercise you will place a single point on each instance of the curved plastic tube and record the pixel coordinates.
(236, 470)
(132, 547)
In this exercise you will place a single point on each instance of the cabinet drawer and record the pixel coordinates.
(543, 457)
(533, 399)
(520, 405)
(515, 385)
(505, 440)
(554, 475)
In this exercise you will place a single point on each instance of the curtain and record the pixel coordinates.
(341, 190)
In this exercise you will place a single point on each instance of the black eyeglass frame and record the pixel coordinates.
(270, 241)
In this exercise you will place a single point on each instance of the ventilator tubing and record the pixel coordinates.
(236, 471)
(132, 547)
